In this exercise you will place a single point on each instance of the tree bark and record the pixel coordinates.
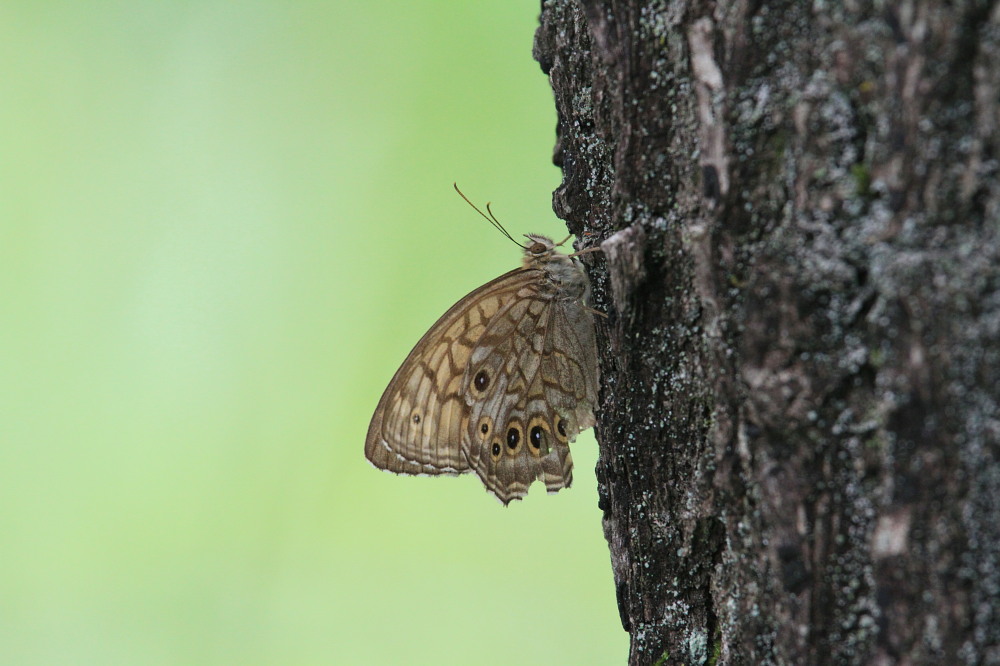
(799, 425)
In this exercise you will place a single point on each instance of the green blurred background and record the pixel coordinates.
(222, 227)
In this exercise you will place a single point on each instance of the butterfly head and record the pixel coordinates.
(540, 251)
(538, 246)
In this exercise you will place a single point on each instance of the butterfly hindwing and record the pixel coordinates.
(524, 413)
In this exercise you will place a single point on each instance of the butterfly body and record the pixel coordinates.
(500, 384)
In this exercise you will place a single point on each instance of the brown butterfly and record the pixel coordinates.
(501, 383)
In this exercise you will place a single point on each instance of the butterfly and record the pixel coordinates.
(501, 383)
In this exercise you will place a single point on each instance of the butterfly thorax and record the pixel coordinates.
(562, 271)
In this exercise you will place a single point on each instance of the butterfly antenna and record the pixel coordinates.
(489, 218)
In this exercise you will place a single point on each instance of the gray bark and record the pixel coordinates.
(799, 423)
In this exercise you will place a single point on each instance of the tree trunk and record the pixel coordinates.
(799, 426)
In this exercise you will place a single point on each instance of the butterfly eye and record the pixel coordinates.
(538, 248)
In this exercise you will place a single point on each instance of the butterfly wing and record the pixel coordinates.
(422, 417)
(532, 380)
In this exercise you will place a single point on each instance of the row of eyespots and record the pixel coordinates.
(537, 432)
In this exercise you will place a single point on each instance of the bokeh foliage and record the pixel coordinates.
(223, 226)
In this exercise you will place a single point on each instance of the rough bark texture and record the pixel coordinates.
(799, 426)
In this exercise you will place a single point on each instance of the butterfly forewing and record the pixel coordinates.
(417, 427)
